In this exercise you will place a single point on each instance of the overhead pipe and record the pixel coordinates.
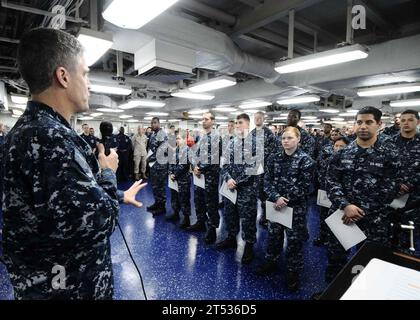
(18, 7)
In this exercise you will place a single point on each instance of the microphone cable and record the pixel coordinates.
(134, 262)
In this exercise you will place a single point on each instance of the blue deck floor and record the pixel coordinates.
(178, 265)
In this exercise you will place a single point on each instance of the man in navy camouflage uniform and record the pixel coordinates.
(2, 138)
(61, 205)
(90, 139)
(179, 171)
(324, 157)
(362, 181)
(270, 143)
(207, 162)
(238, 173)
(408, 144)
(158, 164)
(395, 128)
(287, 180)
(321, 142)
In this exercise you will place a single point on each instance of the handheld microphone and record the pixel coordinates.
(106, 129)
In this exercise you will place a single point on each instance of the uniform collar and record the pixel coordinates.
(37, 109)
(416, 137)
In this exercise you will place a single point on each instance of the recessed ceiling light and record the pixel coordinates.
(186, 94)
(299, 100)
(405, 103)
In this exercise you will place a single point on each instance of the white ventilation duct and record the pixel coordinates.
(3, 96)
(164, 55)
(101, 101)
(214, 50)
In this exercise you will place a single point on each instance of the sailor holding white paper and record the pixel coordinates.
(206, 163)
(362, 181)
(286, 183)
(238, 176)
(179, 174)
(407, 204)
(323, 202)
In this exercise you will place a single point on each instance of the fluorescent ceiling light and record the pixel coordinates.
(338, 119)
(250, 111)
(110, 110)
(347, 114)
(195, 116)
(322, 59)
(173, 120)
(221, 118)
(142, 103)
(86, 118)
(352, 111)
(213, 84)
(133, 14)
(309, 117)
(200, 111)
(300, 99)
(109, 89)
(405, 103)
(133, 120)
(125, 116)
(17, 112)
(96, 114)
(19, 99)
(94, 43)
(385, 118)
(157, 114)
(279, 118)
(148, 118)
(186, 94)
(279, 124)
(391, 89)
(284, 115)
(225, 109)
(329, 110)
(256, 104)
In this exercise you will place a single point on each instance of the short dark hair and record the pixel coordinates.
(156, 118)
(41, 51)
(243, 116)
(344, 139)
(297, 111)
(328, 124)
(377, 114)
(232, 121)
(410, 111)
(85, 124)
(171, 126)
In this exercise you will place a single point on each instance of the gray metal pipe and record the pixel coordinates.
(13, 6)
